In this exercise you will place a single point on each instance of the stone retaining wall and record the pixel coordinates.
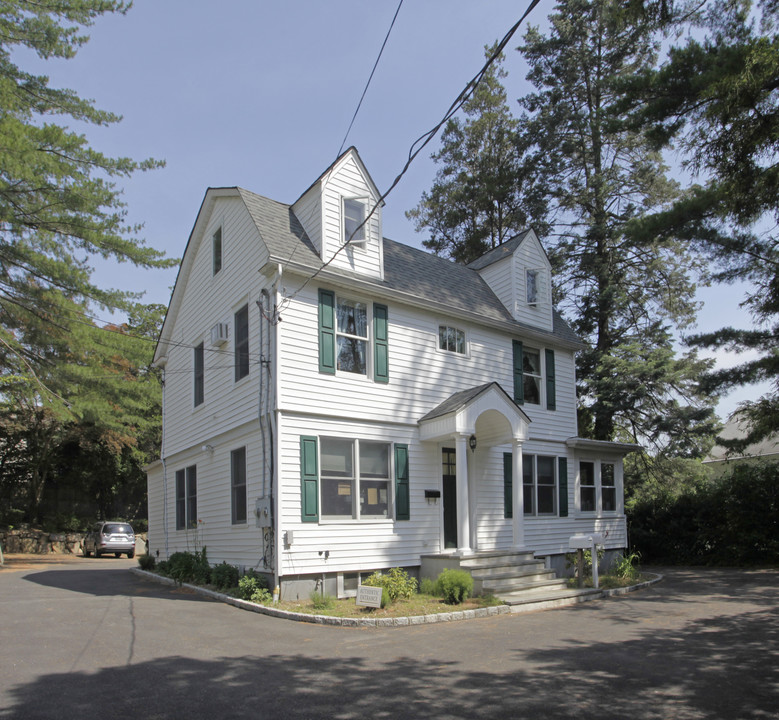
(38, 542)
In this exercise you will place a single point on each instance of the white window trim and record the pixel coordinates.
(364, 201)
(618, 487)
(369, 339)
(355, 519)
(555, 487)
(452, 353)
(541, 376)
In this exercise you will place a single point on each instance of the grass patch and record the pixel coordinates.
(610, 582)
(417, 604)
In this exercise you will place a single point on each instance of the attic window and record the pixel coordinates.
(216, 251)
(354, 222)
(531, 286)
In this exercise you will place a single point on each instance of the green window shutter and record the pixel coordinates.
(380, 343)
(402, 499)
(563, 485)
(327, 332)
(550, 381)
(519, 382)
(309, 479)
(508, 507)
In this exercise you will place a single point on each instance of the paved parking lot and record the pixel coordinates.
(87, 638)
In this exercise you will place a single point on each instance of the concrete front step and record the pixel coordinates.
(546, 598)
(509, 586)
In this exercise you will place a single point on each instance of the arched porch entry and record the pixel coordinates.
(481, 417)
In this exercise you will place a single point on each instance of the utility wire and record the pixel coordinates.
(421, 142)
(375, 65)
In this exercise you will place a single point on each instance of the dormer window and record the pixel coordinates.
(531, 286)
(354, 222)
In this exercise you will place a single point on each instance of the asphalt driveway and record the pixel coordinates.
(88, 639)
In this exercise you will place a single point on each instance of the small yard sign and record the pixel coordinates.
(369, 596)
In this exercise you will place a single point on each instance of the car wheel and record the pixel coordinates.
(86, 552)
(97, 553)
(117, 555)
(131, 554)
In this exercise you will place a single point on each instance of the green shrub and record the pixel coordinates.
(454, 586)
(624, 566)
(225, 576)
(427, 586)
(147, 562)
(250, 584)
(261, 596)
(185, 567)
(396, 582)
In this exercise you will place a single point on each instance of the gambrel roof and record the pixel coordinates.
(411, 275)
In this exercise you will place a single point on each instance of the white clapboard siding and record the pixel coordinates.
(239, 544)
(210, 299)
(357, 545)
(421, 375)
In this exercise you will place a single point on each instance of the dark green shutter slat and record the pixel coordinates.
(327, 332)
(508, 468)
(550, 381)
(563, 485)
(309, 479)
(402, 499)
(381, 343)
(519, 382)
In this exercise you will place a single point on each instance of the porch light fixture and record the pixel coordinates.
(472, 442)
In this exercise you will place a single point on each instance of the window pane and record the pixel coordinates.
(531, 361)
(336, 457)
(587, 473)
(547, 496)
(588, 499)
(242, 342)
(460, 342)
(374, 498)
(336, 497)
(528, 493)
(352, 317)
(199, 374)
(354, 214)
(238, 483)
(609, 498)
(351, 355)
(532, 389)
(607, 474)
(374, 459)
(587, 486)
(532, 286)
(442, 337)
(217, 251)
(546, 500)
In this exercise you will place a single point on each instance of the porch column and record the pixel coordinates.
(463, 501)
(517, 495)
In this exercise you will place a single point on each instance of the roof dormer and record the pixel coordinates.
(519, 273)
(341, 214)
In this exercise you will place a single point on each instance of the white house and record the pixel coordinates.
(336, 402)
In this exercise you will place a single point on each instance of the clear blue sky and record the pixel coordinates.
(259, 93)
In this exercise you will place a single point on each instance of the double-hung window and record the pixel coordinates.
(533, 370)
(531, 367)
(186, 498)
(597, 486)
(539, 485)
(241, 343)
(355, 478)
(354, 222)
(199, 363)
(238, 485)
(351, 336)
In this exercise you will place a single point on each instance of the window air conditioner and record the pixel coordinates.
(219, 334)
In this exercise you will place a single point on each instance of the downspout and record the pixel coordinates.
(164, 470)
(273, 409)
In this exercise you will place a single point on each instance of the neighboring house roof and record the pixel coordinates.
(736, 427)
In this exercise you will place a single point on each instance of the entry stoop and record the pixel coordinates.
(515, 577)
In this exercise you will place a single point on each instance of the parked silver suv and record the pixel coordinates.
(110, 537)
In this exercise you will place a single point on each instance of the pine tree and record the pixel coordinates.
(483, 193)
(624, 295)
(716, 98)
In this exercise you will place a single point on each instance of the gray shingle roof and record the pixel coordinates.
(416, 273)
(500, 252)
